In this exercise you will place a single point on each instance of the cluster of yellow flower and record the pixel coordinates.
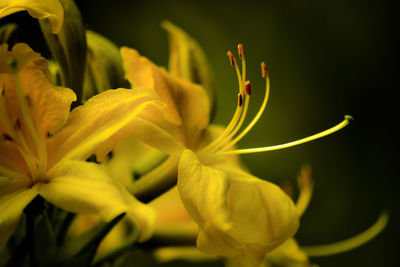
(192, 188)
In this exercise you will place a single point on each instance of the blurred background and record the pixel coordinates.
(326, 59)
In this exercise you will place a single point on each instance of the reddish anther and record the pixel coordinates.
(264, 70)
(247, 88)
(231, 58)
(240, 51)
(240, 100)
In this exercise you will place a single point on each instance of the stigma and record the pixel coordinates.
(234, 131)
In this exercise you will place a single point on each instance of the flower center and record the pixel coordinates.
(222, 144)
(22, 127)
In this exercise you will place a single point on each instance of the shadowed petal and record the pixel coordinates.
(13, 200)
(104, 118)
(187, 104)
(84, 187)
(40, 9)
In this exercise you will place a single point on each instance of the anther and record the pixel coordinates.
(240, 100)
(240, 51)
(231, 58)
(264, 70)
(12, 63)
(7, 137)
(17, 125)
(28, 101)
(247, 88)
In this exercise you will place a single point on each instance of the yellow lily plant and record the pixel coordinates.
(43, 146)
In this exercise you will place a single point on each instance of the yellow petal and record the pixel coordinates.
(101, 119)
(204, 193)
(13, 199)
(187, 103)
(187, 59)
(40, 9)
(131, 157)
(84, 187)
(169, 208)
(236, 212)
(49, 105)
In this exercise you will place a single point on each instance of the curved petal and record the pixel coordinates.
(48, 105)
(12, 203)
(204, 193)
(104, 118)
(187, 103)
(84, 187)
(236, 212)
(39, 9)
(187, 59)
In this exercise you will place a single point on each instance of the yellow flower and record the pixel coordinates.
(43, 146)
(62, 28)
(237, 213)
(173, 223)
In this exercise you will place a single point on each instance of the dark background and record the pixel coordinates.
(326, 59)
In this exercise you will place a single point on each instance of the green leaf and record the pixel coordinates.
(188, 61)
(44, 240)
(69, 46)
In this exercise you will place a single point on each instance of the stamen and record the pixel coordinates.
(306, 187)
(258, 115)
(264, 70)
(336, 128)
(351, 243)
(240, 51)
(243, 58)
(231, 58)
(238, 111)
(239, 124)
(247, 88)
(41, 150)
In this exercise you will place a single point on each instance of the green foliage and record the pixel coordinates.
(40, 239)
